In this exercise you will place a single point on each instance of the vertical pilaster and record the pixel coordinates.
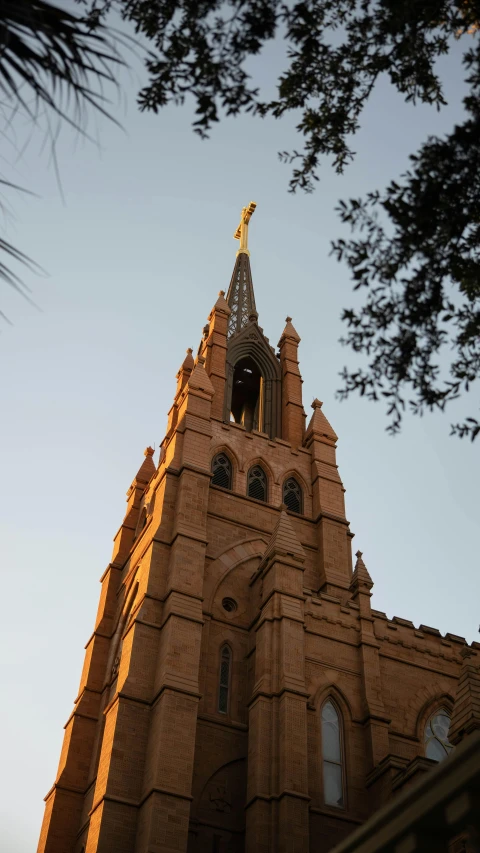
(65, 801)
(335, 562)
(215, 352)
(293, 414)
(466, 709)
(376, 720)
(277, 794)
(166, 794)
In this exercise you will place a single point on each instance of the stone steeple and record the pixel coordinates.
(230, 619)
(240, 296)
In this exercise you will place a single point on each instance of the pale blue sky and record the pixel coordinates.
(136, 256)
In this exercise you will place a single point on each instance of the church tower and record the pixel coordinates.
(239, 694)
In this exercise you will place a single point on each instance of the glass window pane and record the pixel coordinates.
(331, 741)
(224, 673)
(223, 699)
(435, 750)
(441, 725)
(329, 713)
(332, 783)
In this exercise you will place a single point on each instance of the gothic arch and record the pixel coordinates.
(228, 561)
(225, 553)
(225, 448)
(259, 460)
(326, 691)
(142, 521)
(438, 700)
(122, 622)
(223, 469)
(224, 793)
(250, 343)
(293, 472)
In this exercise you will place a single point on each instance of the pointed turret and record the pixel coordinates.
(290, 331)
(182, 378)
(214, 348)
(328, 504)
(187, 366)
(293, 415)
(124, 538)
(466, 710)
(319, 425)
(361, 579)
(199, 378)
(147, 468)
(284, 540)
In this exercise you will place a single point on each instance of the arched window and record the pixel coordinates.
(246, 406)
(257, 483)
(222, 471)
(437, 745)
(224, 686)
(142, 519)
(332, 757)
(292, 495)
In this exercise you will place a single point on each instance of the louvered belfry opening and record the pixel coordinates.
(240, 296)
(222, 471)
(292, 495)
(257, 483)
(246, 394)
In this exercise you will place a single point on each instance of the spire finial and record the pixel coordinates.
(149, 451)
(242, 231)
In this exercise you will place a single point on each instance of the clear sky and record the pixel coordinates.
(136, 255)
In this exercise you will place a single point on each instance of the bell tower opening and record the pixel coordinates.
(246, 408)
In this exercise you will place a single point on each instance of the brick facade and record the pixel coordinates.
(151, 762)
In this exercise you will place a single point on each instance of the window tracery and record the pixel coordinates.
(222, 471)
(293, 495)
(437, 745)
(257, 483)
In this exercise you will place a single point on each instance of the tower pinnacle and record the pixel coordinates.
(242, 231)
(240, 298)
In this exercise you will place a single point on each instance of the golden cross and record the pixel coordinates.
(242, 231)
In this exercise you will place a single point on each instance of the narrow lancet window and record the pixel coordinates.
(333, 772)
(437, 745)
(246, 394)
(222, 471)
(224, 686)
(257, 483)
(292, 495)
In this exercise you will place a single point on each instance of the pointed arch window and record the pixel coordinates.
(246, 406)
(437, 744)
(142, 519)
(257, 483)
(222, 471)
(292, 495)
(332, 756)
(224, 685)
